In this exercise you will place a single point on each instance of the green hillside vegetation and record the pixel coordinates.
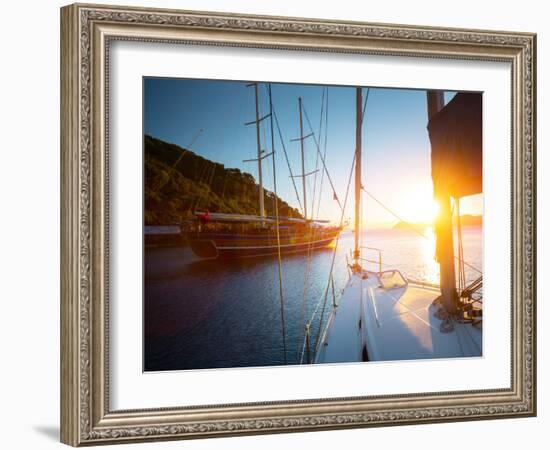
(197, 184)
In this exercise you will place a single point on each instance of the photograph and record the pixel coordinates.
(292, 222)
(298, 224)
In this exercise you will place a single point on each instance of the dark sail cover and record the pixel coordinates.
(456, 140)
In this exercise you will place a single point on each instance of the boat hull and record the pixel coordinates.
(209, 248)
(374, 322)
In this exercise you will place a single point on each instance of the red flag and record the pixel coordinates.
(204, 217)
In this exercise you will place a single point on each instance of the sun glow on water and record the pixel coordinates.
(431, 267)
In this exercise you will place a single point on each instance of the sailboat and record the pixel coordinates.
(382, 315)
(227, 236)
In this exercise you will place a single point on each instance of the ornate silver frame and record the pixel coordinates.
(86, 31)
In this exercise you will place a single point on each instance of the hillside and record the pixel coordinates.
(195, 184)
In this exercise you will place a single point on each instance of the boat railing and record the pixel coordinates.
(422, 283)
(372, 261)
(379, 262)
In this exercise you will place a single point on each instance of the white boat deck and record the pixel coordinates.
(381, 324)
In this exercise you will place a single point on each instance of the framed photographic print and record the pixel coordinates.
(276, 224)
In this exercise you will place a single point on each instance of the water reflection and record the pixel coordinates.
(214, 314)
(431, 267)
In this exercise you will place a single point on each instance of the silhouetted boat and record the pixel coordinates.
(219, 235)
(240, 236)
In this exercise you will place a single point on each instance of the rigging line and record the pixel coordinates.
(323, 111)
(204, 171)
(412, 227)
(462, 272)
(208, 182)
(325, 296)
(274, 114)
(223, 188)
(180, 157)
(209, 168)
(324, 153)
(361, 212)
(277, 232)
(456, 210)
(365, 106)
(287, 160)
(302, 353)
(317, 157)
(313, 231)
(306, 286)
(200, 172)
(322, 159)
(316, 344)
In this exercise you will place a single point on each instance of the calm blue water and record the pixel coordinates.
(209, 314)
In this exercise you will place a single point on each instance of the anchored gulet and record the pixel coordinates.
(382, 315)
(225, 236)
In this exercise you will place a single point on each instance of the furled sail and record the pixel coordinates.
(456, 140)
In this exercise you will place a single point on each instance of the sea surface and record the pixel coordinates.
(206, 314)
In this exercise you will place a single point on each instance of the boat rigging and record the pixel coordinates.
(382, 315)
(224, 236)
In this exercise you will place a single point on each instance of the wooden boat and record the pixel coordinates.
(226, 236)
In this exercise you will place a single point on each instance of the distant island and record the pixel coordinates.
(466, 220)
(408, 225)
(197, 184)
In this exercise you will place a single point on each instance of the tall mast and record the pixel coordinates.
(260, 179)
(359, 122)
(259, 144)
(303, 175)
(303, 164)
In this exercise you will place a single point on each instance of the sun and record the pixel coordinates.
(419, 206)
(425, 211)
(411, 203)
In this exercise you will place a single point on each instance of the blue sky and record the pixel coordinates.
(396, 150)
